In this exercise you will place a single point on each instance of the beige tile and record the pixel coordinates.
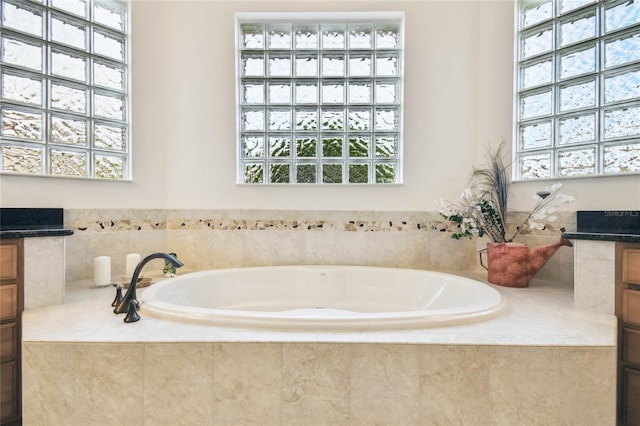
(384, 384)
(102, 371)
(454, 384)
(593, 287)
(272, 247)
(247, 387)
(448, 254)
(178, 383)
(44, 271)
(414, 252)
(52, 412)
(75, 253)
(395, 249)
(587, 386)
(82, 384)
(44, 279)
(335, 248)
(45, 395)
(146, 242)
(595, 250)
(315, 384)
(43, 246)
(524, 385)
(191, 246)
(562, 264)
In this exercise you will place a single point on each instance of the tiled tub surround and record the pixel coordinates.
(208, 239)
(544, 362)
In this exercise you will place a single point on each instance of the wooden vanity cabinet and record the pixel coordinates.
(11, 305)
(628, 312)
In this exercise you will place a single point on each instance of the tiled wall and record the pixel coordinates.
(595, 265)
(205, 239)
(317, 383)
(111, 233)
(44, 271)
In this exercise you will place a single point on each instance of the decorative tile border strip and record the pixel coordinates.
(213, 220)
(117, 225)
(250, 225)
(304, 225)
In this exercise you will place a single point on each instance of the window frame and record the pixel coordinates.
(318, 161)
(555, 149)
(94, 55)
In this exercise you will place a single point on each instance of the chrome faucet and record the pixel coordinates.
(129, 302)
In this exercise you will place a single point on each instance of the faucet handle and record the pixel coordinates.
(118, 298)
(132, 313)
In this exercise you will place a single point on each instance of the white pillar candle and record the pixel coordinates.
(102, 270)
(132, 261)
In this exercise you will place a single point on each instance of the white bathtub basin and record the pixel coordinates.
(323, 298)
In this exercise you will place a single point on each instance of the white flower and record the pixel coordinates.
(555, 187)
(536, 225)
(482, 207)
(563, 198)
(445, 208)
(539, 215)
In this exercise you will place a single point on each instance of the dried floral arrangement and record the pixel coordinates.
(482, 209)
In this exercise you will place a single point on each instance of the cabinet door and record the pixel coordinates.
(8, 262)
(631, 266)
(631, 306)
(8, 390)
(8, 302)
(630, 396)
(8, 341)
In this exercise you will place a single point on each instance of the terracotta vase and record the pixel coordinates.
(514, 264)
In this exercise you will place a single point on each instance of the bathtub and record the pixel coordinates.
(331, 298)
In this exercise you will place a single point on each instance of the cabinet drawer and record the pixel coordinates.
(9, 302)
(631, 306)
(631, 266)
(630, 396)
(9, 341)
(8, 390)
(631, 347)
(8, 262)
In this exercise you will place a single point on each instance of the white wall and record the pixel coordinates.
(495, 118)
(149, 186)
(458, 84)
(440, 109)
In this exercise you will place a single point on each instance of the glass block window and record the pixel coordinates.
(64, 101)
(319, 98)
(578, 88)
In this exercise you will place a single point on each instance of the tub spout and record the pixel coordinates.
(124, 304)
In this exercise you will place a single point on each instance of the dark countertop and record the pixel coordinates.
(602, 236)
(30, 233)
(606, 225)
(32, 222)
